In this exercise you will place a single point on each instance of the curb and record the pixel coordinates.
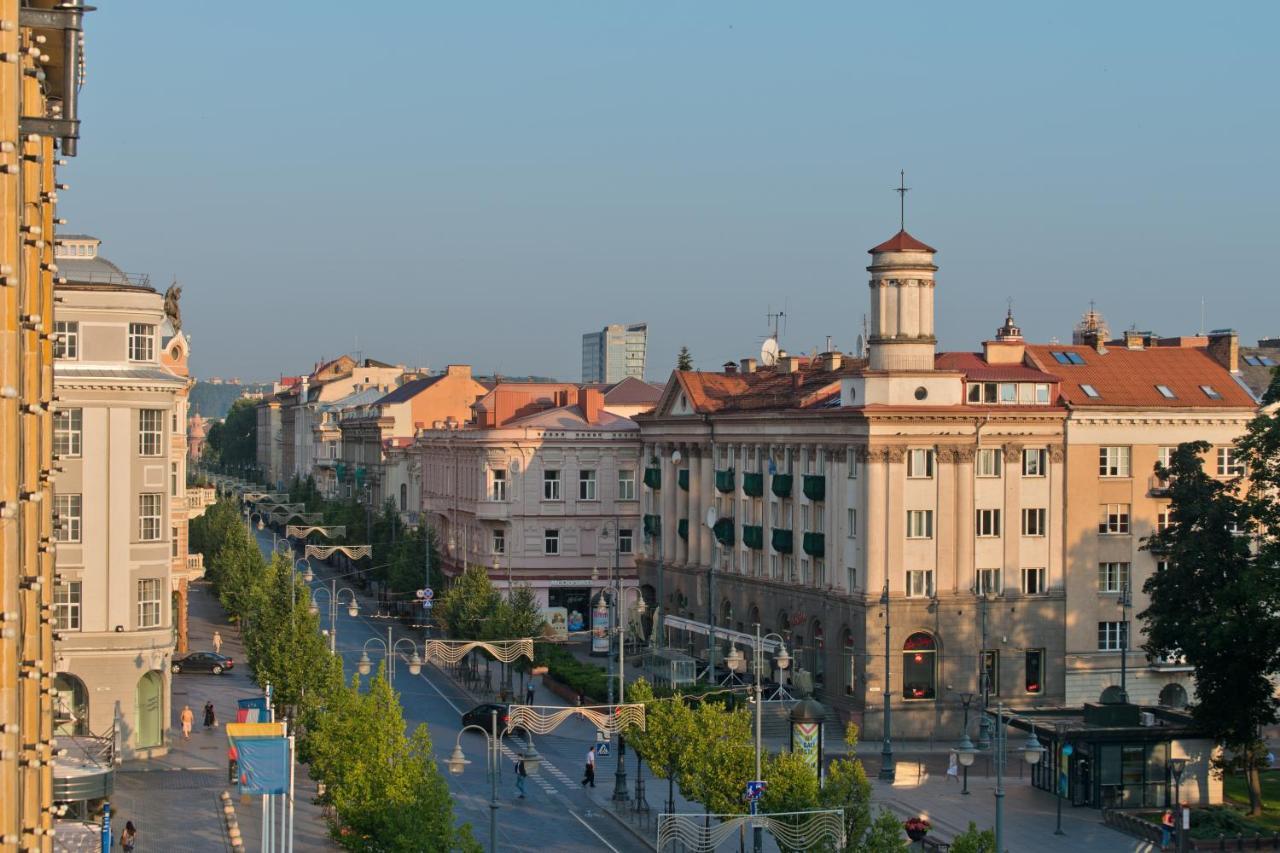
(607, 807)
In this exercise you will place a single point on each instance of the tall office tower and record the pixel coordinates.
(614, 353)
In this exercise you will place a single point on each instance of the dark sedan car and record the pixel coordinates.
(203, 662)
(482, 716)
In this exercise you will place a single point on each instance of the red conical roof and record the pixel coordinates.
(901, 242)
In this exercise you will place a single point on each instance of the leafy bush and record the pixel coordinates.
(1212, 822)
(588, 679)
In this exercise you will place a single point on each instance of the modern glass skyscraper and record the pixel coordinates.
(614, 353)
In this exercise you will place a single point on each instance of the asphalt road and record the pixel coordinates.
(556, 814)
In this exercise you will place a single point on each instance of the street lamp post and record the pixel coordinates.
(984, 677)
(965, 751)
(736, 663)
(335, 598)
(1126, 601)
(493, 743)
(389, 646)
(1032, 751)
(1177, 766)
(887, 770)
(1058, 730)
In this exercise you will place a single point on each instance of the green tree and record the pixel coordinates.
(669, 725)
(1217, 599)
(717, 759)
(518, 615)
(885, 834)
(234, 442)
(468, 607)
(974, 840)
(847, 787)
(684, 361)
(793, 786)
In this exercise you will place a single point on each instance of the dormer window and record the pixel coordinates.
(1166, 392)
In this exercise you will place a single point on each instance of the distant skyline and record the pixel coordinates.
(483, 183)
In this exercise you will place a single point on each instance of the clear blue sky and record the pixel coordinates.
(484, 182)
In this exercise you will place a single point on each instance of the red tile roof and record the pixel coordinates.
(901, 242)
(1128, 377)
(767, 388)
(973, 367)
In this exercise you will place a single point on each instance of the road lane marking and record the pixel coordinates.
(592, 830)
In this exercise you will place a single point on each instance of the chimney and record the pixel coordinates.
(463, 370)
(1224, 348)
(748, 365)
(832, 359)
(1092, 338)
(591, 401)
(730, 367)
(788, 364)
(1133, 339)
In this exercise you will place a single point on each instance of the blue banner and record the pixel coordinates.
(263, 765)
(252, 710)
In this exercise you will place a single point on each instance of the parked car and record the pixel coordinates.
(482, 716)
(203, 662)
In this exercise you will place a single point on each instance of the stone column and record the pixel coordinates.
(965, 568)
(1012, 517)
(876, 510)
(707, 489)
(682, 505)
(697, 510)
(668, 493)
(1056, 571)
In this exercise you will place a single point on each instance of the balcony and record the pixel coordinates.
(652, 525)
(492, 510)
(725, 481)
(814, 544)
(195, 567)
(723, 531)
(781, 484)
(682, 479)
(752, 484)
(815, 487)
(753, 536)
(1158, 487)
(200, 498)
(782, 540)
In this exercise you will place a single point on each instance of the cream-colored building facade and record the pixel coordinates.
(119, 502)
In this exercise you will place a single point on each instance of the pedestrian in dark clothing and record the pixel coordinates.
(589, 775)
(521, 773)
(210, 719)
(528, 694)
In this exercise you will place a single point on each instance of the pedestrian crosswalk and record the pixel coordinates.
(538, 779)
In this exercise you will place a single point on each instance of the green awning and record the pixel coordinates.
(815, 487)
(753, 484)
(815, 544)
(780, 485)
(725, 481)
(782, 541)
(753, 536)
(652, 525)
(723, 531)
(653, 478)
(682, 527)
(682, 478)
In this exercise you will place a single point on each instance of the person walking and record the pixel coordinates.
(217, 642)
(187, 717)
(210, 719)
(129, 837)
(521, 774)
(953, 767)
(589, 774)
(528, 694)
(1166, 829)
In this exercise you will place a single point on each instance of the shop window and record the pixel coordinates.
(919, 667)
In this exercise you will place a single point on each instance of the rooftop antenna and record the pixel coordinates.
(902, 190)
(1201, 332)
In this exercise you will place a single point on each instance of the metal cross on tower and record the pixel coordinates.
(902, 190)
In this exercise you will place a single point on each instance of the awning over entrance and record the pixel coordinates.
(747, 641)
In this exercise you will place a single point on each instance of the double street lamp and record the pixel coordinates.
(1032, 751)
(389, 646)
(335, 598)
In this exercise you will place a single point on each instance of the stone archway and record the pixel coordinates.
(149, 711)
(70, 705)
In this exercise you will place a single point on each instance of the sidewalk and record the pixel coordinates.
(174, 799)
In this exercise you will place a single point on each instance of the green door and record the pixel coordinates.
(150, 729)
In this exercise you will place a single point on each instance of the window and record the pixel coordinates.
(626, 485)
(983, 392)
(1067, 358)
(851, 521)
(1033, 582)
(990, 673)
(1113, 577)
(988, 522)
(1114, 461)
(625, 540)
(587, 484)
(774, 570)
(788, 568)
(1164, 520)
(819, 571)
(1042, 393)
(551, 485)
(1115, 520)
(149, 517)
(1034, 521)
(920, 524)
(67, 427)
(499, 540)
(1008, 393)
(173, 479)
(66, 606)
(1211, 392)
(1090, 391)
(804, 571)
(1033, 681)
(551, 542)
(1035, 461)
(804, 517)
(498, 485)
(1166, 392)
(1113, 636)
(988, 582)
(920, 463)
(851, 462)
(1165, 456)
(67, 508)
(67, 343)
(142, 342)
(851, 578)
(173, 541)
(988, 462)
(919, 667)
(1229, 462)
(149, 590)
(920, 583)
(150, 431)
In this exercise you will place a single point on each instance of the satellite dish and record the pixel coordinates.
(769, 352)
(710, 518)
(675, 457)
(515, 466)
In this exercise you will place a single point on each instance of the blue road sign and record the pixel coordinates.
(755, 790)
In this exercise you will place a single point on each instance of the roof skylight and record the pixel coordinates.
(1166, 392)
(1090, 391)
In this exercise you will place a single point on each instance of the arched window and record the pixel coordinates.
(70, 705)
(1113, 695)
(726, 613)
(819, 655)
(404, 497)
(755, 617)
(784, 623)
(1173, 696)
(920, 667)
(850, 661)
